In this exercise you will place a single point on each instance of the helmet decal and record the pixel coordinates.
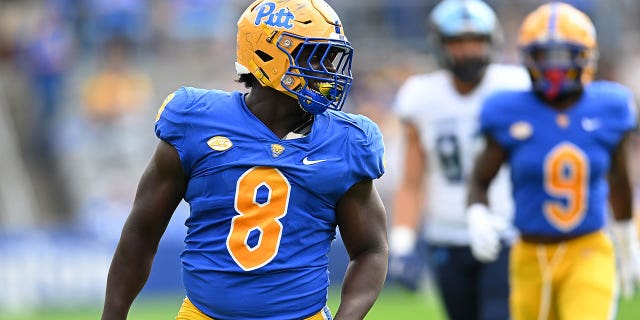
(268, 16)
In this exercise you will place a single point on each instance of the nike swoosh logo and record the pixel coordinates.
(308, 162)
(590, 124)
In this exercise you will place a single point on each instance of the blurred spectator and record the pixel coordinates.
(201, 20)
(9, 22)
(405, 19)
(70, 11)
(116, 19)
(198, 30)
(45, 53)
(112, 148)
(118, 89)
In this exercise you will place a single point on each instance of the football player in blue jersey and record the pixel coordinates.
(268, 175)
(566, 142)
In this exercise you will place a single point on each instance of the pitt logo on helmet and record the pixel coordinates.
(280, 19)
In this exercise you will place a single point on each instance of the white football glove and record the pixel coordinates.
(484, 232)
(625, 236)
(402, 240)
(406, 265)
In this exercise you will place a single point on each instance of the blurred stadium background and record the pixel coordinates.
(80, 81)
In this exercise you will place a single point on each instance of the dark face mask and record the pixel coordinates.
(470, 69)
(561, 97)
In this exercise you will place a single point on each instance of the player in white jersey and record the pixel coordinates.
(440, 116)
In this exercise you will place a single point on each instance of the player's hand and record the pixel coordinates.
(625, 236)
(405, 265)
(484, 232)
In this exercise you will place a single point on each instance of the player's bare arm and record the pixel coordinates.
(487, 165)
(362, 221)
(620, 195)
(407, 210)
(408, 198)
(623, 228)
(159, 192)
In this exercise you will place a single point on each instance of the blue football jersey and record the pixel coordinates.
(560, 159)
(262, 208)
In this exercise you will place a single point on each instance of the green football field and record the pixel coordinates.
(393, 304)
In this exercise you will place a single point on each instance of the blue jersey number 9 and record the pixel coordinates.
(566, 178)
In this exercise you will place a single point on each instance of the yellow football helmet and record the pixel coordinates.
(297, 47)
(559, 48)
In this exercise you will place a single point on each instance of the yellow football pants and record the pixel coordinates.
(189, 312)
(575, 279)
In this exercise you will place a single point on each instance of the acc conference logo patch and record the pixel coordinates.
(267, 14)
(164, 104)
(219, 143)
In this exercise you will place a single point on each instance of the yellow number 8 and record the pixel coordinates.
(261, 217)
(566, 175)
